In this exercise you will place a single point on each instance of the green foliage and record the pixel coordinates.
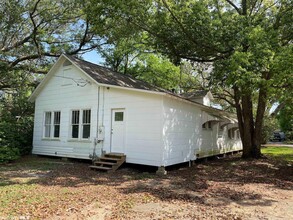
(285, 118)
(8, 154)
(16, 121)
(270, 125)
(249, 46)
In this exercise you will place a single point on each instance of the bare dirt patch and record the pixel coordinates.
(229, 188)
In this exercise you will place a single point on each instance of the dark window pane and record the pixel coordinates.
(74, 131)
(210, 124)
(86, 119)
(118, 116)
(75, 117)
(86, 131)
(57, 131)
(57, 117)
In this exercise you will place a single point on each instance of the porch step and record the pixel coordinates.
(109, 162)
(104, 162)
(100, 168)
(109, 158)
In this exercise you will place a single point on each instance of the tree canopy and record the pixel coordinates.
(248, 43)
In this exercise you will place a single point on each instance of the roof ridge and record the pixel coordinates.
(121, 74)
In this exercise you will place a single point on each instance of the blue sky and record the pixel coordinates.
(93, 57)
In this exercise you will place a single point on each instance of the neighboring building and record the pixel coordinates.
(82, 109)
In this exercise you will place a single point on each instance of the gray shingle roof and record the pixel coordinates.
(107, 76)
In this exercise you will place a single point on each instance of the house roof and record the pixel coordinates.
(107, 76)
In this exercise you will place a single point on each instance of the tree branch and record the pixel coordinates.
(234, 6)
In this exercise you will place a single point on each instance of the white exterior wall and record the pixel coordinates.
(159, 130)
(63, 94)
(180, 131)
(185, 139)
(143, 118)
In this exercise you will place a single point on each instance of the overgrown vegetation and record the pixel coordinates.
(16, 125)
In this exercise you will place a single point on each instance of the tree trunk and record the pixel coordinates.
(250, 131)
(248, 127)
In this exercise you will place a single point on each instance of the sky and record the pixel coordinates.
(93, 57)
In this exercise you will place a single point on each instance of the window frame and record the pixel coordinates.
(51, 125)
(80, 124)
(47, 125)
(83, 124)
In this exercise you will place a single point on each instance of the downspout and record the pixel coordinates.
(96, 139)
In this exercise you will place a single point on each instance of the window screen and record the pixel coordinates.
(57, 116)
(47, 124)
(86, 123)
(75, 124)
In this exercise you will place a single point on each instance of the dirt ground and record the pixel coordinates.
(229, 188)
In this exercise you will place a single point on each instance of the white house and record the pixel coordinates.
(83, 109)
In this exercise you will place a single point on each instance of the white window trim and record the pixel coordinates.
(80, 126)
(52, 126)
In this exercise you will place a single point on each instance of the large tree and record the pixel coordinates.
(247, 42)
(34, 32)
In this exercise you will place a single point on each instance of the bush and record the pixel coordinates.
(16, 127)
(17, 135)
(8, 154)
(270, 124)
(289, 135)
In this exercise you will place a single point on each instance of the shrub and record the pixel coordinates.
(8, 154)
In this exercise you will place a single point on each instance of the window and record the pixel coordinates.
(75, 124)
(47, 132)
(238, 134)
(86, 123)
(118, 116)
(81, 123)
(57, 124)
(207, 125)
(52, 124)
(231, 133)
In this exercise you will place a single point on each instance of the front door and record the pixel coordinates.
(118, 130)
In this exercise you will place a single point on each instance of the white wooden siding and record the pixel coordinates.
(143, 123)
(185, 139)
(159, 130)
(63, 94)
(180, 131)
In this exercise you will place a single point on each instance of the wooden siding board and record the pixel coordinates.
(184, 137)
(55, 97)
(143, 143)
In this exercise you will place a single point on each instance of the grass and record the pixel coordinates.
(280, 153)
